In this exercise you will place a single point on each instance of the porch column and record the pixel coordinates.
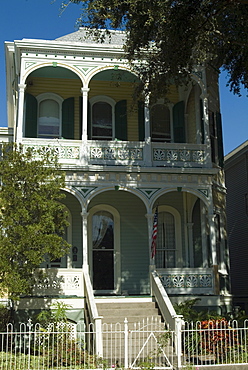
(84, 91)
(84, 215)
(204, 98)
(19, 129)
(150, 217)
(190, 244)
(148, 146)
(211, 220)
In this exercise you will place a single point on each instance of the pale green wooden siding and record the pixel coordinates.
(134, 247)
(75, 209)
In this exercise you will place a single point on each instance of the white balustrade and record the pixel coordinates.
(122, 152)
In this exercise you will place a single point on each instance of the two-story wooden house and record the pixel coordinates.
(123, 159)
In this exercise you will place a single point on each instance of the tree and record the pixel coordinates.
(32, 219)
(175, 36)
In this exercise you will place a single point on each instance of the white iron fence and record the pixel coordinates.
(145, 345)
(68, 346)
(216, 342)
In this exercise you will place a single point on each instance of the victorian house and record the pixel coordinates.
(123, 160)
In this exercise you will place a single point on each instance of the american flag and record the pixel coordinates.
(154, 233)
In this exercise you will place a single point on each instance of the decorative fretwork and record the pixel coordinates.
(187, 280)
(62, 152)
(72, 282)
(159, 155)
(184, 155)
(59, 283)
(174, 155)
(198, 156)
(113, 153)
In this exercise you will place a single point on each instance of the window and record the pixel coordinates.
(102, 120)
(160, 123)
(49, 116)
(166, 241)
(49, 119)
(107, 119)
(169, 238)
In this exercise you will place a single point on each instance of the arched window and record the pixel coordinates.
(102, 118)
(49, 115)
(160, 123)
(102, 121)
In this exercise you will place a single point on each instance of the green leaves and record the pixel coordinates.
(184, 33)
(32, 219)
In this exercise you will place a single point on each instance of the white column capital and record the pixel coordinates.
(84, 214)
(85, 90)
(22, 87)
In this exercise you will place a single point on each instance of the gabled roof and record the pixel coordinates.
(236, 153)
(85, 36)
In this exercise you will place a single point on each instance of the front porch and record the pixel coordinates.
(63, 282)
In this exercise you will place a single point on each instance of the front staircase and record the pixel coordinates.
(135, 310)
(133, 325)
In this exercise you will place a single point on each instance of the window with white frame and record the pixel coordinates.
(168, 250)
(102, 118)
(49, 115)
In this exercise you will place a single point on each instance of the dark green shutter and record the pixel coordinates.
(68, 118)
(202, 122)
(220, 139)
(141, 120)
(121, 120)
(80, 116)
(178, 122)
(30, 116)
(89, 121)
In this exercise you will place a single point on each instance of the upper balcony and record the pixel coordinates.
(123, 153)
(105, 126)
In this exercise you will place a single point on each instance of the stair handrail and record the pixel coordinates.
(93, 312)
(174, 321)
(164, 303)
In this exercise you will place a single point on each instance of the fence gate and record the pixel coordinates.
(65, 346)
(135, 345)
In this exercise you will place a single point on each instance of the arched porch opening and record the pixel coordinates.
(117, 229)
(52, 104)
(183, 238)
(112, 112)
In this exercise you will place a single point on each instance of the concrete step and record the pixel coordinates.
(134, 311)
(127, 312)
(142, 316)
(122, 304)
(139, 320)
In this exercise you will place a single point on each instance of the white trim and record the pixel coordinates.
(111, 102)
(50, 96)
(117, 265)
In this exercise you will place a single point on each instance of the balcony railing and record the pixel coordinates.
(123, 153)
(187, 280)
(59, 282)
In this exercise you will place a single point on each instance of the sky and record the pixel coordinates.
(41, 19)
